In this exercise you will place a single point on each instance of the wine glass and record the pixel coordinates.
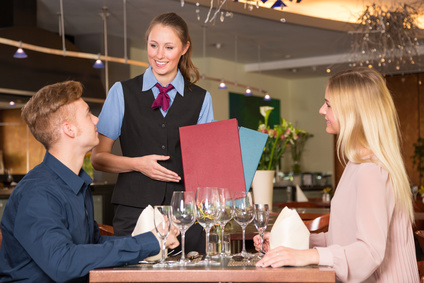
(227, 211)
(261, 222)
(207, 206)
(243, 215)
(161, 219)
(183, 216)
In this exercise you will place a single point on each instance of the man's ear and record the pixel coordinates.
(68, 129)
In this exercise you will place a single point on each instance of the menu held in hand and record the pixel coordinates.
(211, 156)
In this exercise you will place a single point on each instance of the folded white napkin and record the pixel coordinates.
(289, 231)
(145, 223)
(300, 195)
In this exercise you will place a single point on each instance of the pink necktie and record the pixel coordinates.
(163, 97)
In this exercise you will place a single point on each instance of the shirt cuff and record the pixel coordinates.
(325, 256)
(148, 243)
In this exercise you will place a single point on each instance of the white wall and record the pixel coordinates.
(306, 97)
(300, 101)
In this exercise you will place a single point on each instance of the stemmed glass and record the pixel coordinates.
(161, 219)
(183, 216)
(261, 222)
(227, 211)
(243, 215)
(207, 204)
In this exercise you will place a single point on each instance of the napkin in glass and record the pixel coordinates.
(145, 223)
(289, 231)
(300, 195)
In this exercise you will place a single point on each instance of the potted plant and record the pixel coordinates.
(297, 148)
(279, 137)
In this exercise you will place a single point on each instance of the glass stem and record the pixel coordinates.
(182, 245)
(163, 250)
(262, 241)
(243, 251)
(222, 239)
(207, 229)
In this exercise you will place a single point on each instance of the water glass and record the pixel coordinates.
(183, 216)
(243, 215)
(207, 213)
(162, 222)
(261, 222)
(227, 211)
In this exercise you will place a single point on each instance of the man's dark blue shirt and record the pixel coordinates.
(49, 232)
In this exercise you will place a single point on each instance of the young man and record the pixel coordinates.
(48, 227)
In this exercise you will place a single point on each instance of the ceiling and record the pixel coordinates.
(293, 43)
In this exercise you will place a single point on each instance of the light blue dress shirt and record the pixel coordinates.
(112, 114)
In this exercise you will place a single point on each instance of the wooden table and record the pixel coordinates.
(222, 273)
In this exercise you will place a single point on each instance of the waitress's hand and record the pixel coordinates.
(257, 241)
(149, 166)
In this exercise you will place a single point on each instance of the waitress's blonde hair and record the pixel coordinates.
(368, 119)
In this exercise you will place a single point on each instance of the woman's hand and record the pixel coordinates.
(103, 159)
(257, 241)
(149, 166)
(282, 256)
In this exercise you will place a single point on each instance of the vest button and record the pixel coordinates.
(163, 125)
(163, 147)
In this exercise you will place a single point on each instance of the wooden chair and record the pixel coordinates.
(420, 237)
(306, 204)
(106, 230)
(319, 224)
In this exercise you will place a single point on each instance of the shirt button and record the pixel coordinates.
(163, 147)
(163, 125)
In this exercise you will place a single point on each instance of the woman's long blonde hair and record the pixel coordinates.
(368, 120)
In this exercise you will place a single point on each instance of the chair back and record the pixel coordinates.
(303, 204)
(319, 224)
(106, 230)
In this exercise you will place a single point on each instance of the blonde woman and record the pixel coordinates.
(370, 237)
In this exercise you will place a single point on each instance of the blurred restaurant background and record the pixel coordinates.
(282, 51)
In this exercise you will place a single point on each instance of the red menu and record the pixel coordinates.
(211, 156)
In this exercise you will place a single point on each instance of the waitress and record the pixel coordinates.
(146, 112)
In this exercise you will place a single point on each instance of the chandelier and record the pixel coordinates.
(248, 4)
(388, 39)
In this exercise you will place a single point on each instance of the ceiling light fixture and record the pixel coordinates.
(98, 64)
(104, 14)
(387, 39)
(248, 91)
(222, 85)
(20, 53)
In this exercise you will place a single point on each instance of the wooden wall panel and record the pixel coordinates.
(406, 97)
(17, 142)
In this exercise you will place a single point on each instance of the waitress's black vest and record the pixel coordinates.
(145, 131)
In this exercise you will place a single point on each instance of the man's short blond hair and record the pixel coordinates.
(44, 112)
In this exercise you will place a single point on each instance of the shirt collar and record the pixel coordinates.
(75, 182)
(149, 81)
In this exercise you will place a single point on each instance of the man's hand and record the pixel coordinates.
(171, 240)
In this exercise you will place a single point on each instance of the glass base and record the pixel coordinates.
(246, 255)
(208, 262)
(164, 264)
